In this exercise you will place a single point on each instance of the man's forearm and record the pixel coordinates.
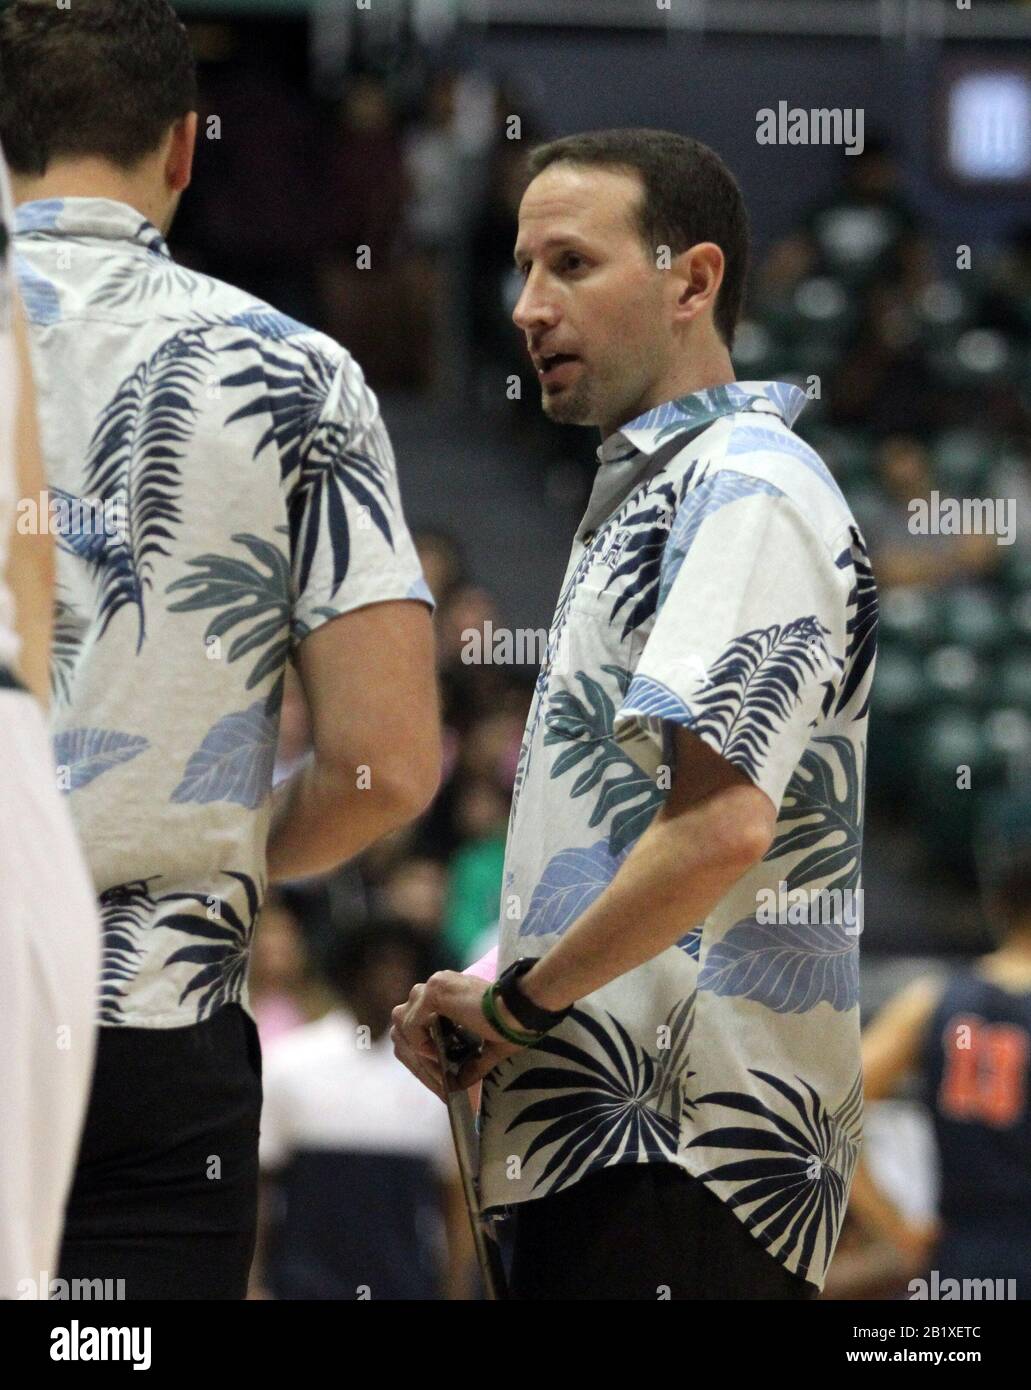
(320, 820)
(668, 884)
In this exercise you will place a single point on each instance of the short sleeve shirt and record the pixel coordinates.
(719, 584)
(222, 486)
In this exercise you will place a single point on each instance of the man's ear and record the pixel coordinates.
(700, 274)
(181, 147)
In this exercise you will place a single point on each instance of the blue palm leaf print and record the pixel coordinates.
(87, 753)
(39, 295)
(695, 411)
(826, 826)
(754, 438)
(563, 613)
(793, 966)
(64, 648)
(691, 943)
(256, 597)
(794, 1168)
(38, 216)
(222, 941)
(572, 880)
(291, 389)
(269, 323)
(235, 761)
(329, 471)
(126, 913)
(585, 727)
(709, 497)
(637, 574)
(753, 686)
(134, 454)
(861, 628)
(788, 967)
(618, 1105)
(137, 279)
(74, 524)
(788, 398)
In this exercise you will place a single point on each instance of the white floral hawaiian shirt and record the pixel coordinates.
(222, 485)
(718, 582)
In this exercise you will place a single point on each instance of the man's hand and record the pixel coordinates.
(456, 997)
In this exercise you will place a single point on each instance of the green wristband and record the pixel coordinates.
(490, 1013)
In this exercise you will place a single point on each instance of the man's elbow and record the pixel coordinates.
(744, 839)
(406, 784)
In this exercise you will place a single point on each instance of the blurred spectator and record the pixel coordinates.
(903, 556)
(442, 560)
(364, 1199)
(279, 983)
(255, 180)
(362, 207)
(413, 890)
(474, 887)
(867, 229)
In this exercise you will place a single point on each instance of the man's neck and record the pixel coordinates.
(702, 374)
(92, 178)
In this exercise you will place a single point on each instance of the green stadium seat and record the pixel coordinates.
(910, 616)
(962, 459)
(955, 674)
(975, 619)
(1014, 680)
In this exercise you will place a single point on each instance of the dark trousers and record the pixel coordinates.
(165, 1193)
(641, 1231)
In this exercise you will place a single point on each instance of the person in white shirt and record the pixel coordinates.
(364, 1198)
(49, 933)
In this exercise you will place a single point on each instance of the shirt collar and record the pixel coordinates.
(103, 219)
(646, 433)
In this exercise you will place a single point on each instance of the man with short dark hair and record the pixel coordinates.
(227, 499)
(672, 1093)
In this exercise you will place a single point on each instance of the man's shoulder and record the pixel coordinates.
(758, 455)
(167, 297)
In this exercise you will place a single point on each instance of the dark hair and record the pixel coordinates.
(359, 948)
(1009, 889)
(689, 196)
(104, 78)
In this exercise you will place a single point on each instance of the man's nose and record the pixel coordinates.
(533, 310)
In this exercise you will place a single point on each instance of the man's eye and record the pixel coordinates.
(571, 261)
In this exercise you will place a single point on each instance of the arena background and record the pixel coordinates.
(901, 277)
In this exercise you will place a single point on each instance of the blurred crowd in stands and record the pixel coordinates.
(397, 199)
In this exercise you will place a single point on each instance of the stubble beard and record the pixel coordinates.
(572, 407)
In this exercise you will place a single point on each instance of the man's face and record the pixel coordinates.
(594, 303)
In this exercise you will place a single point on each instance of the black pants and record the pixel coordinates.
(165, 1194)
(636, 1231)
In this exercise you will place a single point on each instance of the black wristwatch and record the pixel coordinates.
(530, 1015)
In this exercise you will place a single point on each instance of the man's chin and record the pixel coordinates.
(563, 408)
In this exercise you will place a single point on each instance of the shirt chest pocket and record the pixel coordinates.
(594, 658)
